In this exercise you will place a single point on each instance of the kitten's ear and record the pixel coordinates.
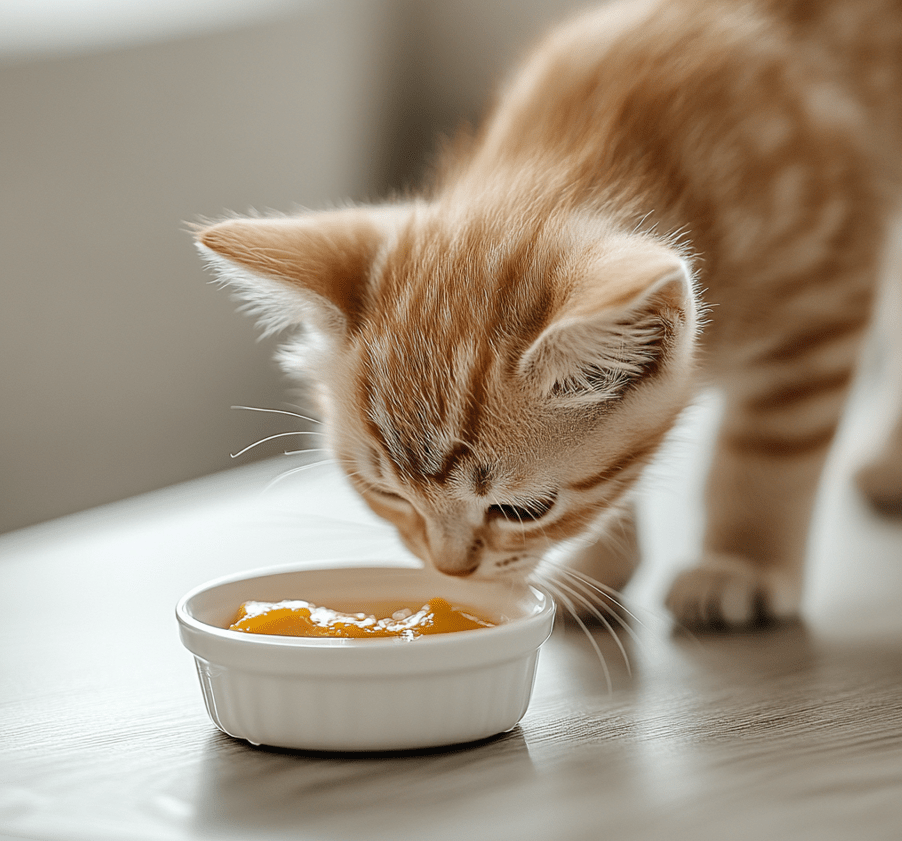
(297, 269)
(627, 316)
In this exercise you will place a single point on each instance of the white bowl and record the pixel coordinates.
(365, 694)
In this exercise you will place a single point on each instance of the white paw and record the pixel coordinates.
(726, 592)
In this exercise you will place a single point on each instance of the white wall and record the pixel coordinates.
(461, 50)
(118, 361)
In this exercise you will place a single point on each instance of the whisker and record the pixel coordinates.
(582, 599)
(588, 591)
(573, 612)
(271, 438)
(300, 469)
(303, 409)
(616, 598)
(592, 587)
(603, 590)
(279, 412)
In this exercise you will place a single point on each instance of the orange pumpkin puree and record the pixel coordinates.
(296, 618)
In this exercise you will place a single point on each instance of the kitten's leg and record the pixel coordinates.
(613, 556)
(779, 423)
(880, 479)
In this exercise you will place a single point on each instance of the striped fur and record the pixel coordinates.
(500, 356)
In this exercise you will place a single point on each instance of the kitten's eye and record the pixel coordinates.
(388, 495)
(525, 513)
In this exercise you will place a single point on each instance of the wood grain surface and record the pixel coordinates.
(794, 732)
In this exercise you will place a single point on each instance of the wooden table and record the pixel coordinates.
(792, 733)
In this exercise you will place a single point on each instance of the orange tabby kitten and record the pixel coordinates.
(499, 357)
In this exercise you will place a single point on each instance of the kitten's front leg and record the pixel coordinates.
(600, 569)
(880, 480)
(760, 494)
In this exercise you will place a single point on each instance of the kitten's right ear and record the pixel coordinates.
(633, 311)
(294, 269)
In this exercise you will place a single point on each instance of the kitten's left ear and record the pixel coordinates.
(628, 315)
(294, 269)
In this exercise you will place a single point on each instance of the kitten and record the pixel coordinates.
(499, 357)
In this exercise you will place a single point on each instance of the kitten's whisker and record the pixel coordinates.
(606, 592)
(573, 612)
(580, 598)
(588, 586)
(302, 409)
(279, 412)
(310, 450)
(271, 438)
(300, 469)
(617, 598)
(588, 593)
(603, 590)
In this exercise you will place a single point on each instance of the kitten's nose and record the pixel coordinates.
(455, 546)
(459, 560)
(456, 570)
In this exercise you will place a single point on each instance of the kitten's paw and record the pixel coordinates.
(881, 483)
(725, 592)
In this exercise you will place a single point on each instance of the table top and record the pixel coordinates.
(793, 732)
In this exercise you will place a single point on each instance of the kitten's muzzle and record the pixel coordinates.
(458, 571)
(454, 553)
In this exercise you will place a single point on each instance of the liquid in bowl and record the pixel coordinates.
(299, 618)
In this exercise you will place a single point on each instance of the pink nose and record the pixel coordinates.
(456, 554)
(460, 562)
(457, 570)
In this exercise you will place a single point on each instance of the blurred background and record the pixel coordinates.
(120, 120)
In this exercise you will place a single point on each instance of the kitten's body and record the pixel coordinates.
(502, 356)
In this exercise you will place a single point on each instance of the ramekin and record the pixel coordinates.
(365, 694)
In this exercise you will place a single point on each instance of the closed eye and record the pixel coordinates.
(391, 496)
(525, 512)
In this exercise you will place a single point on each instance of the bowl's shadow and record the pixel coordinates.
(248, 791)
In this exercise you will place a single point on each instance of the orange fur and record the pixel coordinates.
(499, 357)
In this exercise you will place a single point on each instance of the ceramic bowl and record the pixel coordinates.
(365, 694)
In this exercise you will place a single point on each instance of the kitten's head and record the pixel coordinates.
(492, 383)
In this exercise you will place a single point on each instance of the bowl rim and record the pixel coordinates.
(261, 652)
